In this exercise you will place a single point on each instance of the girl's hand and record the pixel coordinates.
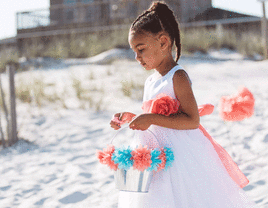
(120, 119)
(141, 122)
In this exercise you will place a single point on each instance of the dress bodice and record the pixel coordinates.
(156, 84)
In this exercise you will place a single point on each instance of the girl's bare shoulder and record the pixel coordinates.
(181, 78)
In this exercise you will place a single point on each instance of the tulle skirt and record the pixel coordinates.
(196, 179)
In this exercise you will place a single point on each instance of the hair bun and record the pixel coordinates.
(160, 8)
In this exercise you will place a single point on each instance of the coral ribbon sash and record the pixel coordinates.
(231, 167)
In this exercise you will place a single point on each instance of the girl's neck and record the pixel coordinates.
(166, 65)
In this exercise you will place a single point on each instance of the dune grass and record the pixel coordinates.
(87, 45)
(8, 55)
(75, 45)
(202, 40)
(31, 91)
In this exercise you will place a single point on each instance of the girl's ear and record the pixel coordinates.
(164, 41)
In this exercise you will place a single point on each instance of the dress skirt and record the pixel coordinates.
(197, 178)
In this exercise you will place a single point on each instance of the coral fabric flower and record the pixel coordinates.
(162, 157)
(237, 107)
(162, 104)
(146, 106)
(142, 158)
(105, 157)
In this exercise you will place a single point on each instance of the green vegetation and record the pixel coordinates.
(8, 55)
(75, 45)
(88, 45)
(31, 91)
(202, 40)
(132, 89)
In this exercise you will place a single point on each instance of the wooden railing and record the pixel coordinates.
(98, 13)
(95, 16)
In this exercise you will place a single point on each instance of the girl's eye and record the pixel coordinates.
(141, 50)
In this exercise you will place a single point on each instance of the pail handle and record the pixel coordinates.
(128, 127)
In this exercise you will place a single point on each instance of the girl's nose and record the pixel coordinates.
(137, 57)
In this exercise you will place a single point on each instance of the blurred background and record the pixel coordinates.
(84, 28)
(66, 68)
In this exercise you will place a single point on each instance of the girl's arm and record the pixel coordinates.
(188, 119)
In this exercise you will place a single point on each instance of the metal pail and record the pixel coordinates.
(133, 180)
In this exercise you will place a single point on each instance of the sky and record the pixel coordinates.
(8, 9)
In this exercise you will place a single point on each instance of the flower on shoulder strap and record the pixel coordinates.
(162, 104)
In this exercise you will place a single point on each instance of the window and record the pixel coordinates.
(70, 12)
(87, 1)
(70, 2)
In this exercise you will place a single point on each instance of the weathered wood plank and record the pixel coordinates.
(1, 129)
(12, 98)
(5, 110)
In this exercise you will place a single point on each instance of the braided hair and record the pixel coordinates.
(159, 18)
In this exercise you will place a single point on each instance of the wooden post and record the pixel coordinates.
(219, 31)
(1, 133)
(12, 98)
(5, 113)
(264, 30)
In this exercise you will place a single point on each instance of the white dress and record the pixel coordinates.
(197, 178)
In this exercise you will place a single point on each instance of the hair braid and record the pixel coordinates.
(169, 23)
(158, 18)
(139, 17)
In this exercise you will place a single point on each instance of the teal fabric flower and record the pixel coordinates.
(122, 156)
(169, 157)
(155, 160)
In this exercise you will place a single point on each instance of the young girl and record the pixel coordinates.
(203, 174)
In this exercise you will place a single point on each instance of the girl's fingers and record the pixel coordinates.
(121, 116)
(115, 125)
(132, 126)
(117, 114)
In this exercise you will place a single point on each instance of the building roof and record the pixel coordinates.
(5, 41)
(217, 14)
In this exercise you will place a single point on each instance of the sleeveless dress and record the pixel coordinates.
(197, 178)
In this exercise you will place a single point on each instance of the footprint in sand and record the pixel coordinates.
(41, 201)
(246, 146)
(5, 188)
(74, 198)
(78, 157)
(86, 175)
(250, 167)
(259, 201)
(265, 140)
(260, 182)
(48, 179)
(248, 188)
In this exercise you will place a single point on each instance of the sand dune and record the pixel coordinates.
(56, 166)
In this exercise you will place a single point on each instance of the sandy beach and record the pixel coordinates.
(54, 164)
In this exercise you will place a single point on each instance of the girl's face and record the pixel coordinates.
(147, 49)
